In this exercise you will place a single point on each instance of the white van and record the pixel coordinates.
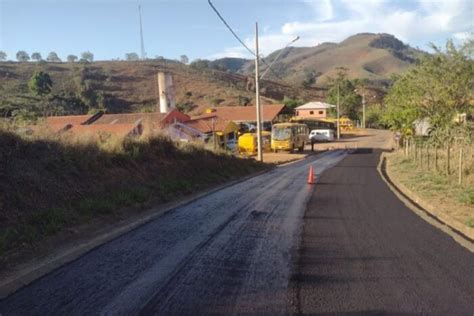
(321, 135)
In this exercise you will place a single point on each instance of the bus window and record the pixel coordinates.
(281, 133)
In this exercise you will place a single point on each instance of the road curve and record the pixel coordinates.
(228, 252)
(364, 252)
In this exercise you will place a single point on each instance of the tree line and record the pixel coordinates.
(23, 56)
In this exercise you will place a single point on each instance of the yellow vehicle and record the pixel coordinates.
(248, 142)
(288, 136)
(345, 123)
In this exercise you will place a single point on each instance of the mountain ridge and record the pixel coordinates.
(374, 56)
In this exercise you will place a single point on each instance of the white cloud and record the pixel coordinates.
(419, 23)
(463, 36)
(323, 9)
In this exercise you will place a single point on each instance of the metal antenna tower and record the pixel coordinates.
(142, 43)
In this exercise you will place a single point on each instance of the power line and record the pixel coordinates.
(277, 57)
(240, 41)
(230, 29)
(250, 51)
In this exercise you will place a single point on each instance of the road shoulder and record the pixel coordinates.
(460, 233)
(27, 272)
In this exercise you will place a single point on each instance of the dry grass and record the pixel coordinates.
(51, 182)
(435, 184)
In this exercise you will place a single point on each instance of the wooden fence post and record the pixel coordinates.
(421, 155)
(414, 150)
(460, 165)
(436, 157)
(448, 158)
(428, 155)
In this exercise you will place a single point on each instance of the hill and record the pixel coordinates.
(124, 86)
(372, 56)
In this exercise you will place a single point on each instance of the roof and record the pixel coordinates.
(115, 129)
(70, 119)
(315, 105)
(129, 118)
(204, 125)
(247, 113)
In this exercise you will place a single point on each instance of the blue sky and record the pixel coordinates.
(109, 28)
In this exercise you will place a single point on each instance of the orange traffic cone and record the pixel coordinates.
(311, 177)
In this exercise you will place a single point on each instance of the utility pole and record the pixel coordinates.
(214, 133)
(337, 115)
(363, 110)
(257, 98)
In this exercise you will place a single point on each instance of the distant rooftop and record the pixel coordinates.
(247, 113)
(315, 105)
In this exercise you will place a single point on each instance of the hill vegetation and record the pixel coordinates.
(128, 86)
(81, 86)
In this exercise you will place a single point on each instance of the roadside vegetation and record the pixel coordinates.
(431, 107)
(54, 183)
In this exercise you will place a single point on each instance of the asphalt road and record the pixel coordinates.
(229, 252)
(364, 252)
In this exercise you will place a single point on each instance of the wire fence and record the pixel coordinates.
(455, 161)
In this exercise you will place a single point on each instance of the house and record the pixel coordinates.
(152, 121)
(316, 110)
(125, 124)
(225, 131)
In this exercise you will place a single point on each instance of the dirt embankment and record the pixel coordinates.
(51, 186)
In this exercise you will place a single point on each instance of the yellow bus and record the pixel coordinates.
(345, 123)
(288, 136)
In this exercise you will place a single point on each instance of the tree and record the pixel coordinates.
(53, 57)
(131, 56)
(22, 56)
(243, 100)
(349, 101)
(184, 59)
(437, 89)
(40, 83)
(309, 78)
(87, 57)
(200, 64)
(71, 58)
(36, 56)
(185, 107)
(3, 56)
(291, 104)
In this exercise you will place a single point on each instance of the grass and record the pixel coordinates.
(470, 222)
(437, 186)
(49, 183)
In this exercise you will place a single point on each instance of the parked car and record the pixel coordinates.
(321, 135)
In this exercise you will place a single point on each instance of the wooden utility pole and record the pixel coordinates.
(257, 98)
(214, 132)
(338, 115)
